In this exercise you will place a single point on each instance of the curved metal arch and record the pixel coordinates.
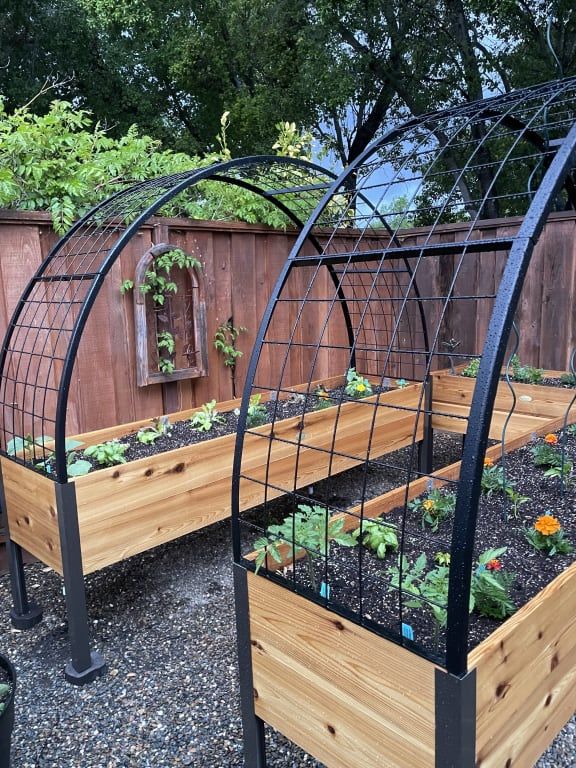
(483, 402)
(181, 184)
(103, 221)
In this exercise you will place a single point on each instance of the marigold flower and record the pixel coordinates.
(493, 565)
(551, 439)
(488, 462)
(428, 505)
(547, 525)
(322, 394)
(360, 387)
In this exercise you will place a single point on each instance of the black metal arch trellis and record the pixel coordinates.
(43, 337)
(435, 180)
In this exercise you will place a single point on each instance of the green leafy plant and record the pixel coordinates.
(107, 454)
(166, 341)
(442, 558)
(357, 385)
(207, 418)
(257, 413)
(490, 586)
(516, 499)
(5, 690)
(435, 507)
(547, 535)
(76, 467)
(402, 383)
(166, 366)
(425, 589)
(471, 370)
(545, 454)
(149, 435)
(494, 480)
(378, 536)
(568, 379)
(225, 340)
(525, 374)
(308, 532)
(489, 589)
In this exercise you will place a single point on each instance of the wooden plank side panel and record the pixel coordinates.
(315, 681)
(451, 392)
(31, 512)
(526, 670)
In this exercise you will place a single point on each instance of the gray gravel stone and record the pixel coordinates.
(164, 621)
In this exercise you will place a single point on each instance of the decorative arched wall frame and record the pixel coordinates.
(193, 335)
(302, 598)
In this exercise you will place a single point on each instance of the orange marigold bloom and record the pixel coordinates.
(547, 525)
(488, 462)
(551, 439)
(494, 565)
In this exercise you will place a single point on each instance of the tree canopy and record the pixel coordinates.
(342, 69)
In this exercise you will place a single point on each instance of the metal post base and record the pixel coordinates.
(26, 620)
(96, 669)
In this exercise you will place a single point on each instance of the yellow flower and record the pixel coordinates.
(547, 525)
(428, 505)
(488, 462)
(360, 388)
(551, 439)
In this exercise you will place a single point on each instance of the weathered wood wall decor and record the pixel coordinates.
(371, 615)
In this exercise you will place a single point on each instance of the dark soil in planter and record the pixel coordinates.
(182, 433)
(370, 595)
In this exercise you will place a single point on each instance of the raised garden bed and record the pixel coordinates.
(132, 507)
(348, 695)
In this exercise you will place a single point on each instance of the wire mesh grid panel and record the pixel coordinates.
(363, 480)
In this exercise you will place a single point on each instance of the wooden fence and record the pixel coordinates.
(241, 264)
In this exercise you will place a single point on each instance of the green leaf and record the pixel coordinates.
(79, 467)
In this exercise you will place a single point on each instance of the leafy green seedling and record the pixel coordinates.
(378, 536)
(357, 385)
(434, 508)
(107, 454)
(207, 418)
(308, 532)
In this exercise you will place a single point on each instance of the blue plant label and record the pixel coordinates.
(407, 631)
(324, 590)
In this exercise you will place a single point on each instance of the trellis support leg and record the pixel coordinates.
(252, 725)
(455, 720)
(25, 613)
(85, 665)
(426, 445)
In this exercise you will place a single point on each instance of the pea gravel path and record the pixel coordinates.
(164, 621)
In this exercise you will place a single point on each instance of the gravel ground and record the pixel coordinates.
(164, 622)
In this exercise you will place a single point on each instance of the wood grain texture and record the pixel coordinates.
(526, 671)
(345, 695)
(31, 512)
(133, 507)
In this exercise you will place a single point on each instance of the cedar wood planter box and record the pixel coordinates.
(130, 508)
(351, 697)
